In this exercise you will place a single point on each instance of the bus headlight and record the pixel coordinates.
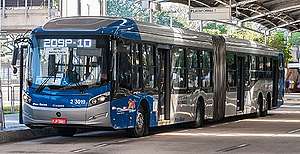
(99, 99)
(26, 98)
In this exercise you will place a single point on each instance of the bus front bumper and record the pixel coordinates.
(95, 116)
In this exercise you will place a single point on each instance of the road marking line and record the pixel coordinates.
(272, 120)
(80, 150)
(285, 112)
(294, 131)
(231, 135)
(233, 148)
(290, 106)
(126, 140)
(101, 145)
(222, 124)
(182, 131)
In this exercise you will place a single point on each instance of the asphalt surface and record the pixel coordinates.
(279, 132)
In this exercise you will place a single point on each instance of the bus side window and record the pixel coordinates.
(254, 67)
(136, 66)
(231, 71)
(193, 68)
(206, 73)
(178, 68)
(124, 66)
(148, 66)
(247, 66)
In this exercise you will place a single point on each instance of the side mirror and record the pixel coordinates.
(15, 70)
(14, 60)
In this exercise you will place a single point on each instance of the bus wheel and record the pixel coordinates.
(200, 113)
(140, 128)
(34, 127)
(260, 112)
(66, 132)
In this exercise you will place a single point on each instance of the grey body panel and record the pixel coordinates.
(98, 115)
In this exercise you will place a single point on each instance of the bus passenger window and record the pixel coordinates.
(247, 70)
(206, 66)
(148, 66)
(231, 70)
(136, 67)
(254, 67)
(261, 63)
(193, 68)
(261, 67)
(124, 63)
(178, 68)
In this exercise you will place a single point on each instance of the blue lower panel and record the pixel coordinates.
(123, 111)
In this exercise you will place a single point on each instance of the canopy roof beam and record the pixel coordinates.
(243, 3)
(271, 12)
(284, 25)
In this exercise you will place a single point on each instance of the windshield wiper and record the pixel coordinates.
(43, 84)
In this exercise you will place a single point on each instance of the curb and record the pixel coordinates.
(25, 134)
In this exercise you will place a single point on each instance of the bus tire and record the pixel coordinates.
(34, 127)
(141, 125)
(200, 114)
(66, 132)
(260, 112)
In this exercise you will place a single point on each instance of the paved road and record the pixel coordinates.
(279, 132)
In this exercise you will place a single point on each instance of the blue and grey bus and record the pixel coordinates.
(109, 72)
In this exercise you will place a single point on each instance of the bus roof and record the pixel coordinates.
(140, 31)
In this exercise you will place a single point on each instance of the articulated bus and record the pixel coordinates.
(108, 72)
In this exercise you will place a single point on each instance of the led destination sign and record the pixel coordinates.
(61, 43)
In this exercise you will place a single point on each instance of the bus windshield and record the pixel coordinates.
(67, 62)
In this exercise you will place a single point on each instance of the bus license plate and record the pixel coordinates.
(59, 120)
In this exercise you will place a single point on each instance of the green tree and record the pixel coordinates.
(126, 8)
(295, 38)
(278, 41)
(164, 18)
(214, 28)
(133, 9)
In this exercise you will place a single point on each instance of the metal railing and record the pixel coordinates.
(2, 119)
(10, 96)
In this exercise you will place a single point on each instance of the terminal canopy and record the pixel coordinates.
(270, 13)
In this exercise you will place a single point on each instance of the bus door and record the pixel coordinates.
(164, 84)
(275, 77)
(240, 83)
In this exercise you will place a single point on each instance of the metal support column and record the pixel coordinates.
(79, 7)
(49, 9)
(266, 34)
(102, 4)
(61, 7)
(150, 12)
(189, 3)
(230, 11)
(2, 119)
(21, 83)
(201, 26)
(2, 14)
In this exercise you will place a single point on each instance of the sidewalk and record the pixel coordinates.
(14, 131)
(12, 122)
(292, 97)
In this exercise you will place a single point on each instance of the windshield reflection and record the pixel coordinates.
(68, 66)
